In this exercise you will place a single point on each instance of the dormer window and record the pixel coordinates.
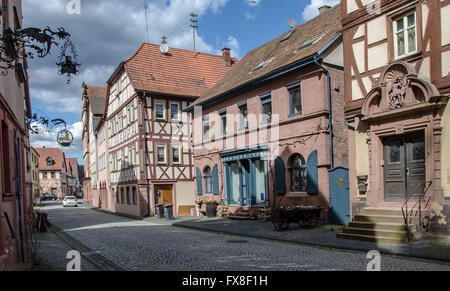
(405, 35)
(50, 162)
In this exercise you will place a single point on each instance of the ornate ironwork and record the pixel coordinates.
(37, 124)
(31, 42)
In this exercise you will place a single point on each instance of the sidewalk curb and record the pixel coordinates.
(381, 250)
(114, 213)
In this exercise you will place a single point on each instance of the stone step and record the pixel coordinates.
(369, 238)
(376, 232)
(381, 211)
(383, 218)
(377, 225)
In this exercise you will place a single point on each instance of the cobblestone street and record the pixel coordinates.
(109, 242)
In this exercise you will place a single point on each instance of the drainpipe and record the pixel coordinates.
(16, 146)
(145, 154)
(330, 115)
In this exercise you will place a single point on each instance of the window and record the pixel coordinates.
(295, 100)
(208, 180)
(50, 162)
(122, 195)
(117, 196)
(134, 196)
(206, 127)
(174, 111)
(243, 116)
(223, 121)
(266, 109)
(176, 152)
(405, 35)
(161, 155)
(298, 174)
(128, 196)
(53, 175)
(133, 155)
(160, 110)
(122, 159)
(120, 122)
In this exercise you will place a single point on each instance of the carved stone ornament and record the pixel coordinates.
(397, 93)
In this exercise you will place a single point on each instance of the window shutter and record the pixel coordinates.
(215, 180)
(312, 183)
(280, 176)
(199, 182)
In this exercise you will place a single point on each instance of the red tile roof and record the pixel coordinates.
(56, 154)
(306, 40)
(179, 72)
(73, 163)
(95, 91)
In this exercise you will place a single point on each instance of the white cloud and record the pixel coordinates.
(249, 16)
(233, 44)
(312, 10)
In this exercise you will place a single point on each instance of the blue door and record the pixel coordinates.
(339, 196)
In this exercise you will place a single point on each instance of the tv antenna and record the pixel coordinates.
(164, 48)
(194, 25)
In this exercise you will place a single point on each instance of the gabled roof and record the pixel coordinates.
(179, 72)
(97, 105)
(95, 91)
(56, 154)
(298, 44)
(73, 164)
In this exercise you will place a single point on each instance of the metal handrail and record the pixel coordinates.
(405, 211)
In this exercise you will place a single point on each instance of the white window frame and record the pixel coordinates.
(165, 154)
(161, 102)
(405, 34)
(179, 111)
(179, 148)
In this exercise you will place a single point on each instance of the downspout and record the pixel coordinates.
(330, 115)
(145, 155)
(16, 146)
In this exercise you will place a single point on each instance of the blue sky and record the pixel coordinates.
(108, 31)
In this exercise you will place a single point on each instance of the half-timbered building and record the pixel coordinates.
(267, 134)
(149, 135)
(397, 83)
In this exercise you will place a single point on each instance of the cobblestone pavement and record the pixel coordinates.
(146, 245)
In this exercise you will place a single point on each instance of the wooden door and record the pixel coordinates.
(404, 166)
(164, 194)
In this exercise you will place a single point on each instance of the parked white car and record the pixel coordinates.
(70, 201)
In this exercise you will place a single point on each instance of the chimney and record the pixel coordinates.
(226, 54)
(324, 8)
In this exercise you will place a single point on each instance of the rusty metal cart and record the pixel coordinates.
(305, 216)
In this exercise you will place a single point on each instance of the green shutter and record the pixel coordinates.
(199, 182)
(312, 183)
(280, 176)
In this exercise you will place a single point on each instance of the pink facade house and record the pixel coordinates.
(262, 134)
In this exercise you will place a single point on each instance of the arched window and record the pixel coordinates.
(298, 174)
(208, 180)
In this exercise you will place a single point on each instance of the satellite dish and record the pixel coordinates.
(164, 48)
(292, 23)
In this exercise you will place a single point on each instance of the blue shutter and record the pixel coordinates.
(229, 191)
(215, 180)
(312, 183)
(199, 182)
(280, 176)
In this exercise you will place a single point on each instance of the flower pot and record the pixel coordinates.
(211, 209)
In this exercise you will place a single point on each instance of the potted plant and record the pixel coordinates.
(211, 208)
